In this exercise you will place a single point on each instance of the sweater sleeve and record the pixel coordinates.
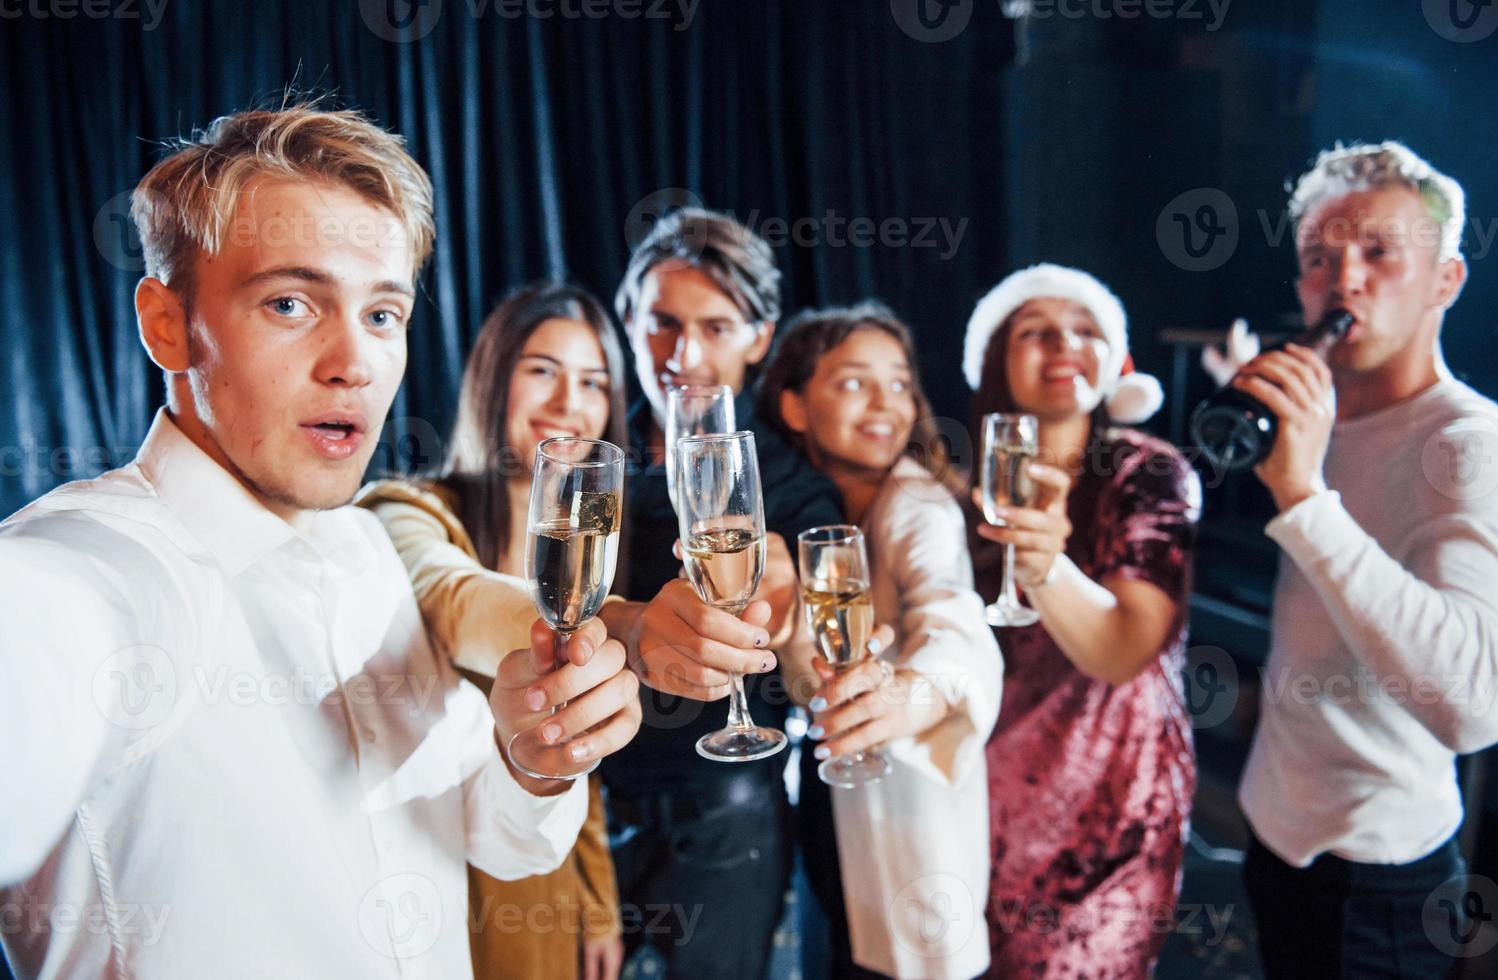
(1430, 625)
(944, 637)
(474, 615)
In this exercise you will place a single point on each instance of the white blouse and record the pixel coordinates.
(914, 846)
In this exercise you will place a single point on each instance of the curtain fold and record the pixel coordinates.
(541, 135)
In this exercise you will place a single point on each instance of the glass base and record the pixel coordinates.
(852, 771)
(741, 744)
(538, 760)
(1002, 614)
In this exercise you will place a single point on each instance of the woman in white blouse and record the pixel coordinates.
(911, 850)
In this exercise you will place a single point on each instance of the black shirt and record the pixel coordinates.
(796, 496)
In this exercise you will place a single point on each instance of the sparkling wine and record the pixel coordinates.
(840, 613)
(1006, 479)
(725, 564)
(571, 561)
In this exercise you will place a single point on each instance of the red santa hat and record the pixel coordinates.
(1131, 396)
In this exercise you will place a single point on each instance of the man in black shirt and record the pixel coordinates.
(707, 841)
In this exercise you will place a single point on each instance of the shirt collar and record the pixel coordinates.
(236, 528)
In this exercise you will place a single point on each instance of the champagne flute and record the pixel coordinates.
(722, 520)
(572, 545)
(1009, 445)
(694, 410)
(834, 565)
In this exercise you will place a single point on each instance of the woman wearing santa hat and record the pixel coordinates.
(1091, 768)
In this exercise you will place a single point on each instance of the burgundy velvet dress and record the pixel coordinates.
(1090, 783)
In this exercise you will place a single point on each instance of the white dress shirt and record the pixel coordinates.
(914, 847)
(229, 749)
(1383, 660)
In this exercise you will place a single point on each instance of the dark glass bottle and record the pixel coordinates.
(1233, 428)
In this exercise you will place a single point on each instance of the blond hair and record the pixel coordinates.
(184, 205)
(1344, 170)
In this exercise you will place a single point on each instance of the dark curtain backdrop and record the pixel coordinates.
(542, 136)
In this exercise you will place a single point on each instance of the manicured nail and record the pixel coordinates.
(822, 752)
(550, 732)
(818, 703)
(764, 665)
(762, 639)
(577, 751)
(535, 699)
(816, 731)
(875, 645)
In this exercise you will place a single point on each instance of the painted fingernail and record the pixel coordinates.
(818, 703)
(535, 699)
(822, 752)
(577, 751)
(875, 645)
(550, 732)
(816, 731)
(765, 665)
(762, 639)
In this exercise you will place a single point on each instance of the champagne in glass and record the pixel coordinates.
(694, 410)
(839, 611)
(572, 545)
(724, 565)
(1009, 446)
(722, 522)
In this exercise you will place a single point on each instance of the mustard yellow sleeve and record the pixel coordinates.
(474, 615)
(595, 869)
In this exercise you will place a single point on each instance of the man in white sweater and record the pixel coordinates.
(1384, 655)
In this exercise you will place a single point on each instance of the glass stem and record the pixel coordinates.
(1011, 597)
(738, 705)
(558, 661)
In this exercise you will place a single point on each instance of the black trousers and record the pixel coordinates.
(703, 872)
(1341, 919)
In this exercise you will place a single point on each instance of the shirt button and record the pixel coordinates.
(369, 734)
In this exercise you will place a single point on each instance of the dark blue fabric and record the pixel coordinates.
(541, 135)
(1342, 919)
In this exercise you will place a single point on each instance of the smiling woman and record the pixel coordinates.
(546, 363)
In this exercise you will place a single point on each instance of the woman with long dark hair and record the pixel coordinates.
(1091, 768)
(546, 363)
(842, 389)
